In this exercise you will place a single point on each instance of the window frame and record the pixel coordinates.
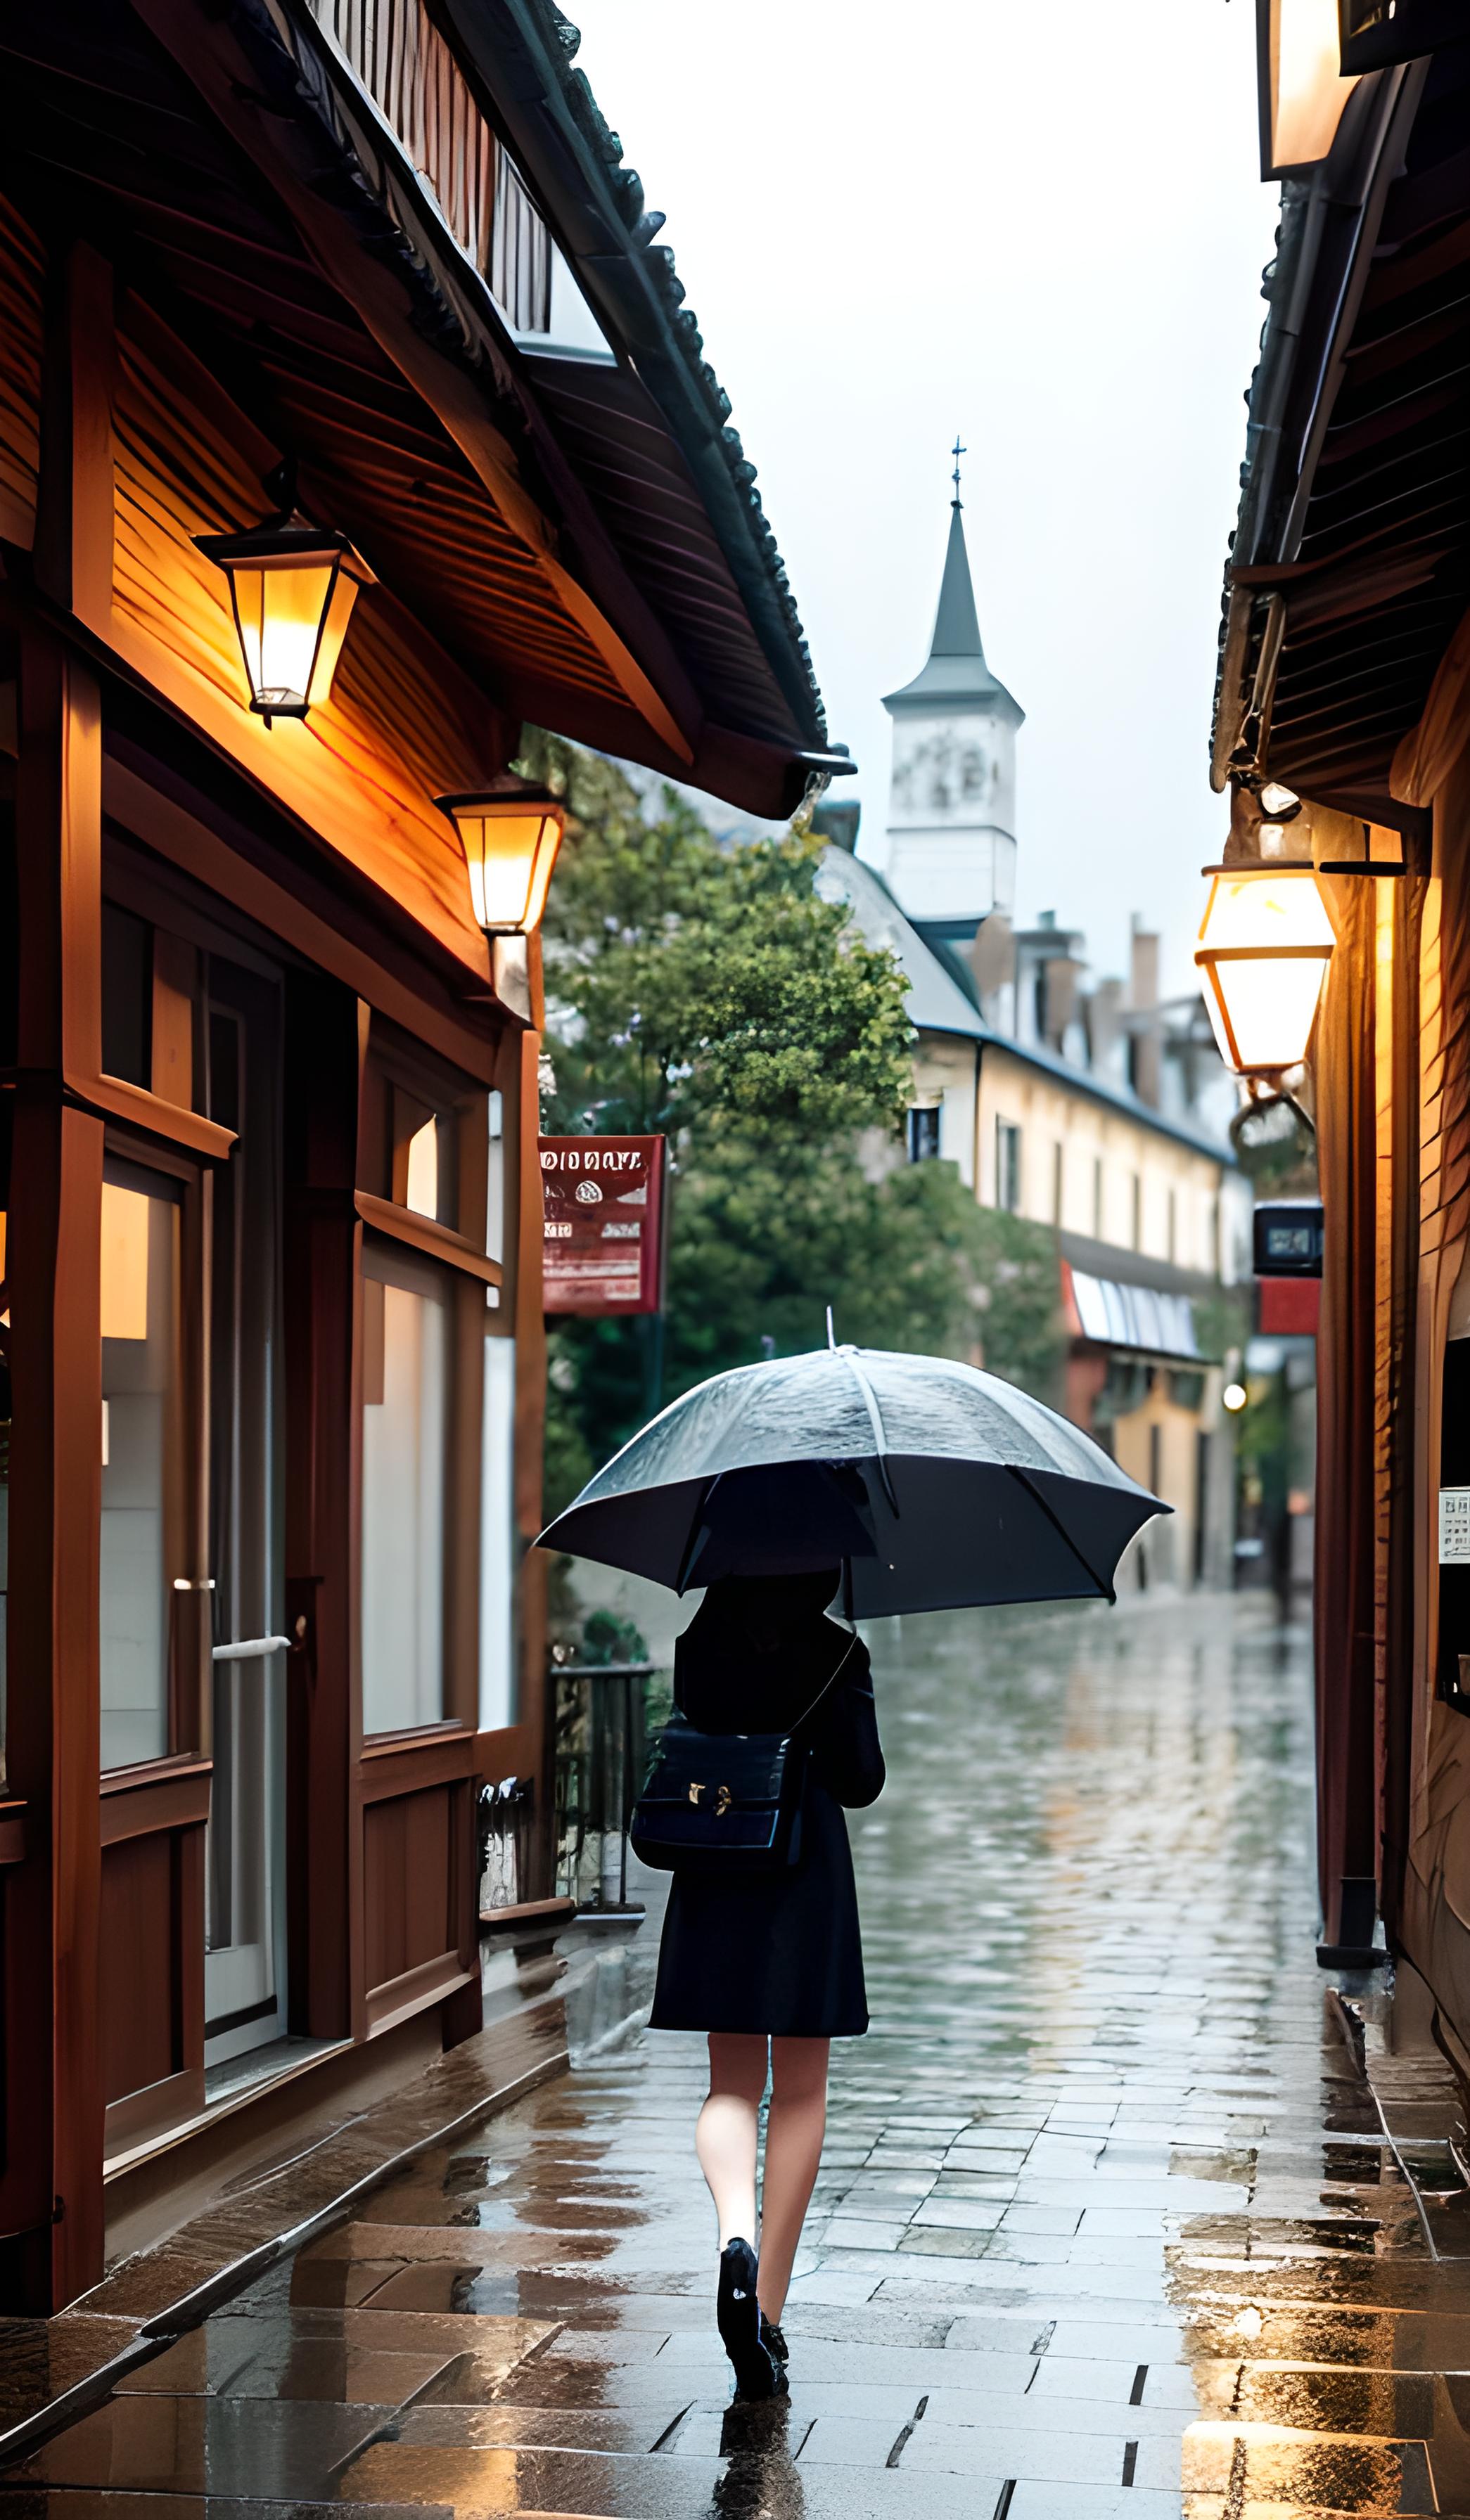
(1008, 1165)
(464, 1292)
(189, 1632)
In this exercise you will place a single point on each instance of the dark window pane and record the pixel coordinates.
(126, 995)
(10, 936)
(923, 1134)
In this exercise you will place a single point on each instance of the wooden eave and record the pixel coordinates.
(546, 531)
(1379, 577)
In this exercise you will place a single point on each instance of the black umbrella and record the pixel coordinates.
(946, 1486)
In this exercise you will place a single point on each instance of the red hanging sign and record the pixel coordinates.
(603, 1202)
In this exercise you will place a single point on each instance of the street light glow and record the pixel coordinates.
(510, 831)
(1264, 946)
(1234, 1396)
(293, 586)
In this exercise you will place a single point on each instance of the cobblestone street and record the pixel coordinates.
(1113, 2220)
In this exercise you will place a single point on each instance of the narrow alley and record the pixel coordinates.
(1124, 2211)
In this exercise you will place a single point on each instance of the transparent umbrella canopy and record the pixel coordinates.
(935, 1486)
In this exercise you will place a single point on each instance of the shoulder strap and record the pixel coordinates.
(826, 1685)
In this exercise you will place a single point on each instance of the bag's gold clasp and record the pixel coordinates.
(723, 1802)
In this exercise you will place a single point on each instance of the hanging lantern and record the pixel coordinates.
(1263, 951)
(293, 586)
(510, 832)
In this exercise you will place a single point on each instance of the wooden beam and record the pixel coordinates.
(136, 805)
(73, 543)
(51, 2186)
(325, 1047)
(535, 1708)
(440, 1242)
(207, 53)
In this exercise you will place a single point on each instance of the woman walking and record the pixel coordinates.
(769, 1964)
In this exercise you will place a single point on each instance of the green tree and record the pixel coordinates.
(694, 988)
(710, 992)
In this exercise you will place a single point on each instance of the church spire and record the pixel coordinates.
(956, 625)
(952, 841)
(956, 670)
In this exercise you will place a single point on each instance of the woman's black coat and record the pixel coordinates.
(775, 1952)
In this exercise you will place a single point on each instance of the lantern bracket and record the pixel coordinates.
(1264, 1093)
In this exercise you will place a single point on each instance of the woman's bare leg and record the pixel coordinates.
(795, 2126)
(726, 2133)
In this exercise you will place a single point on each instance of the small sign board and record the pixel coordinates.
(1287, 1237)
(1454, 1526)
(603, 1246)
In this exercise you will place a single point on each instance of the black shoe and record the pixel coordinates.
(757, 2373)
(772, 2339)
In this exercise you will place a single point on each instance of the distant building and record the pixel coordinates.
(952, 798)
(1093, 1108)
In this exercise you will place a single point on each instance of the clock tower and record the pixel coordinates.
(952, 843)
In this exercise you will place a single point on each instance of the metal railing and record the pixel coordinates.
(601, 1751)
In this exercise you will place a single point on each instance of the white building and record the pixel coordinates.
(1091, 1110)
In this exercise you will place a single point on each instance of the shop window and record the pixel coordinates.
(923, 1133)
(411, 1132)
(1008, 1166)
(422, 1159)
(408, 1402)
(421, 1182)
(143, 1480)
(1125, 1388)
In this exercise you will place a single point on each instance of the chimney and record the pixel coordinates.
(993, 960)
(1143, 968)
(1104, 1022)
(1145, 1039)
(1061, 976)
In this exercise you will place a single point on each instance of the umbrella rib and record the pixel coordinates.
(1035, 1493)
(875, 1419)
(696, 1527)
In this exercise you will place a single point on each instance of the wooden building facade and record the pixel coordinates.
(1345, 678)
(272, 1309)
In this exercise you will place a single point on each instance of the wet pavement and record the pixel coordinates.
(1123, 2211)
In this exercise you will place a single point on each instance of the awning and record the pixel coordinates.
(1140, 1318)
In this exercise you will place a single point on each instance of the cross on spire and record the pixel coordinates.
(957, 451)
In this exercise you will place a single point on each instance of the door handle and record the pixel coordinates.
(251, 1649)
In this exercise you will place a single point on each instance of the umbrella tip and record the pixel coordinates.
(831, 1333)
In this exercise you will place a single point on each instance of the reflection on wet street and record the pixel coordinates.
(1124, 2212)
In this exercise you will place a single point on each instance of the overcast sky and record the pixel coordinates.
(1039, 222)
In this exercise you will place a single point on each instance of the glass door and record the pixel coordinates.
(244, 1977)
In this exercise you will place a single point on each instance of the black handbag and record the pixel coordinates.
(725, 1803)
